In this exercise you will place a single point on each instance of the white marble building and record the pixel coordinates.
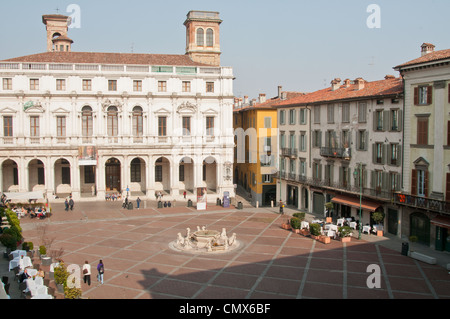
(153, 122)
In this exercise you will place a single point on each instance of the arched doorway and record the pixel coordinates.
(210, 173)
(36, 177)
(10, 175)
(162, 175)
(112, 174)
(420, 227)
(186, 174)
(137, 175)
(62, 177)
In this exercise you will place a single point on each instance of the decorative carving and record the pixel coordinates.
(107, 103)
(187, 106)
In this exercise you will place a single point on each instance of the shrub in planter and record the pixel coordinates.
(300, 216)
(9, 241)
(296, 223)
(345, 232)
(314, 229)
(72, 293)
(61, 274)
(42, 250)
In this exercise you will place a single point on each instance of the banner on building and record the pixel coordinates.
(201, 198)
(87, 156)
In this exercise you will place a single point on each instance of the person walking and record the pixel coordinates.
(87, 273)
(71, 203)
(138, 202)
(66, 204)
(101, 271)
(184, 194)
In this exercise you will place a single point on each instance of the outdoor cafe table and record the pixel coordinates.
(17, 253)
(331, 227)
(21, 262)
(340, 222)
(304, 225)
(366, 229)
(352, 225)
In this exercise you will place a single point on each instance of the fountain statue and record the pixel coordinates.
(205, 240)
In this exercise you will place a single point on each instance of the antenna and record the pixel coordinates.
(132, 47)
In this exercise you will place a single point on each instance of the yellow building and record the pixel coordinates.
(256, 148)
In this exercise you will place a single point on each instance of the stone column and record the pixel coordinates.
(438, 174)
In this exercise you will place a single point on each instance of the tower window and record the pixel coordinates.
(209, 38)
(200, 37)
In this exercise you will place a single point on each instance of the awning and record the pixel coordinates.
(441, 221)
(25, 196)
(354, 202)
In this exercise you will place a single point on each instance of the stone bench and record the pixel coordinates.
(424, 258)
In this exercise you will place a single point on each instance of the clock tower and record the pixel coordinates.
(57, 27)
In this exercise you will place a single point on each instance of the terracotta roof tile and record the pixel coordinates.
(430, 57)
(108, 58)
(390, 86)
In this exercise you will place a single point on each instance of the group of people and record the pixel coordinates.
(87, 272)
(69, 203)
(113, 197)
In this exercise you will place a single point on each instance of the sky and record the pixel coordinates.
(299, 45)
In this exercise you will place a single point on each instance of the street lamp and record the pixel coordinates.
(357, 172)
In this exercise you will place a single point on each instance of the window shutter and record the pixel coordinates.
(400, 120)
(386, 120)
(385, 180)
(385, 151)
(427, 175)
(399, 155)
(448, 133)
(374, 153)
(414, 182)
(429, 95)
(416, 96)
(447, 194)
(357, 140)
(366, 144)
(372, 179)
(320, 171)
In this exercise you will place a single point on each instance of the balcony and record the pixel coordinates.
(336, 152)
(426, 203)
(293, 152)
(377, 193)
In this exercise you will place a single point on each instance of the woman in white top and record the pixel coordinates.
(87, 273)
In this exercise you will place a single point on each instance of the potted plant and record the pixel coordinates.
(296, 224)
(286, 225)
(324, 239)
(61, 274)
(314, 230)
(378, 218)
(329, 206)
(345, 233)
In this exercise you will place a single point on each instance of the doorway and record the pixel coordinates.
(112, 173)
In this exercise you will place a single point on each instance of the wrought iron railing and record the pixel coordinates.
(337, 152)
(426, 203)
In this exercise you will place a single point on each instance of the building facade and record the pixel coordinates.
(425, 198)
(256, 140)
(91, 123)
(345, 149)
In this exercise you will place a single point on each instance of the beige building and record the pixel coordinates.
(426, 166)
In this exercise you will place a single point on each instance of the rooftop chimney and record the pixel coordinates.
(347, 83)
(245, 100)
(262, 98)
(335, 84)
(359, 83)
(280, 89)
(427, 48)
(389, 77)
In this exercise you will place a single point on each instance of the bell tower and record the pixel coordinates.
(57, 27)
(203, 37)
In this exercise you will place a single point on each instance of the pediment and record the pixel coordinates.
(210, 112)
(163, 111)
(61, 111)
(187, 108)
(33, 107)
(421, 162)
(8, 110)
